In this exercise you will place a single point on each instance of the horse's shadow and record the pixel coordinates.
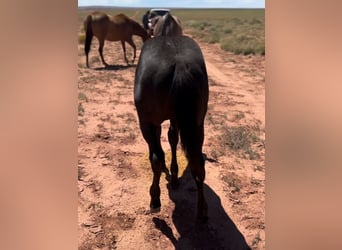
(219, 232)
(116, 67)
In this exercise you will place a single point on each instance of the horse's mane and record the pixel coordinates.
(128, 19)
(137, 28)
(168, 25)
(120, 18)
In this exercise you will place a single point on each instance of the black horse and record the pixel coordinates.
(171, 83)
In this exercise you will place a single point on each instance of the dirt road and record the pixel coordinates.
(114, 174)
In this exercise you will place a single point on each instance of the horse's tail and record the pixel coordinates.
(88, 37)
(190, 97)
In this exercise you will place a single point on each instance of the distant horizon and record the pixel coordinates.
(180, 4)
(139, 7)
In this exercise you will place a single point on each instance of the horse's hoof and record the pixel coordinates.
(154, 210)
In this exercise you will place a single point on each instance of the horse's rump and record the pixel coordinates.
(172, 82)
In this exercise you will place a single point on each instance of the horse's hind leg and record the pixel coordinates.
(151, 134)
(101, 44)
(130, 42)
(198, 173)
(124, 50)
(173, 140)
(196, 162)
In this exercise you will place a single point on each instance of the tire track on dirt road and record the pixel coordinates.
(238, 86)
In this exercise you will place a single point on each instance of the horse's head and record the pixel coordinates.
(146, 35)
(140, 31)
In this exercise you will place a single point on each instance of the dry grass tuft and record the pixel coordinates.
(240, 139)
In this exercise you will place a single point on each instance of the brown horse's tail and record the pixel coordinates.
(89, 35)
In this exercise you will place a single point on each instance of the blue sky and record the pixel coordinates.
(176, 3)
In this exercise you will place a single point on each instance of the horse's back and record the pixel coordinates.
(120, 18)
(170, 49)
(109, 27)
(99, 17)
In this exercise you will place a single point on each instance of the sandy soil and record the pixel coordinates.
(114, 174)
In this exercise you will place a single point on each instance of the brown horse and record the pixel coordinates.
(167, 25)
(111, 28)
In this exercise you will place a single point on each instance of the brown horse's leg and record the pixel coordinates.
(130, 42)
(151, 134)
(87, 44)
(88, 37)
(124, 50)
(101, 42)
(173, 140)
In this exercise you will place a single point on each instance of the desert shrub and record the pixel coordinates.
(238, 31)
(240, 139)
(242, 45)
